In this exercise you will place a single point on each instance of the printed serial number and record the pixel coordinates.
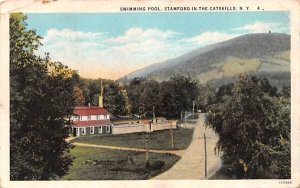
(285, 182)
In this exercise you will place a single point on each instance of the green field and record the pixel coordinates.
(106, 164)
(157, 140)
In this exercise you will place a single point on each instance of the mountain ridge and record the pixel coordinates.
(247, 53)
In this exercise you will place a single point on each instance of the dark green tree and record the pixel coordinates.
(149, 97)
(206, 97)
(267, 88)
(254, 130)
(79, 98)
(120, 104)
(177, 95)
(41, 99)
(114, 97)
(169, 98)
(134, 90)
(91, 91)
(286, 91)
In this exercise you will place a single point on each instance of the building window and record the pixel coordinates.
(83, 130)
(100, 129)
(91, 130)
(97, 117)
(105, 116)
(88, 117)
(108, 128)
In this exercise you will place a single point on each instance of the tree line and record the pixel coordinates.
(167, 98)
(140, 97)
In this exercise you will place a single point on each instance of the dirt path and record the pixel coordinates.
(176, 152)
(191, 165)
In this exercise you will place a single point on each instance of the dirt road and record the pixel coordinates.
(191, 165)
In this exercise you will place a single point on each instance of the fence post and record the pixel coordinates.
(205, 155)
(172, 139)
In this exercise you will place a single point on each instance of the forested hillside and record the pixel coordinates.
(265, 55)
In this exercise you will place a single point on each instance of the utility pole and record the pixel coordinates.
(172, 139)
(205, 168)
(194, 106)
(185, 119)
(147, 148)
(153, 114)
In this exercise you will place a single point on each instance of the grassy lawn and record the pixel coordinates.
(157, 140)
(105, 164)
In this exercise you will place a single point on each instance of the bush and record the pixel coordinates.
(157, 165)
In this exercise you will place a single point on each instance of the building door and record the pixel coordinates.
(74, 132)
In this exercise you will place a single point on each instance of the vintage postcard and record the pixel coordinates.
(149, 93)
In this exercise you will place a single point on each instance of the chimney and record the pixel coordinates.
(101, 96)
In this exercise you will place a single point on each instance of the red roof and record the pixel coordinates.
(90, 110)
(91, 123)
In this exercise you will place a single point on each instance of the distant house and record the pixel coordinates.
(90, 120)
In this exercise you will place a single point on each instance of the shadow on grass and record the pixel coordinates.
(106, 164)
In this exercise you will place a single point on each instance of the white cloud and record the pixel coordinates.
(100, 55)
(122, 54)
(67, 34)
(260, 27)
(70, 45)
(210, 38)
(138, 34)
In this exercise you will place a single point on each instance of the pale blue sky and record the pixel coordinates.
(110, 45)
